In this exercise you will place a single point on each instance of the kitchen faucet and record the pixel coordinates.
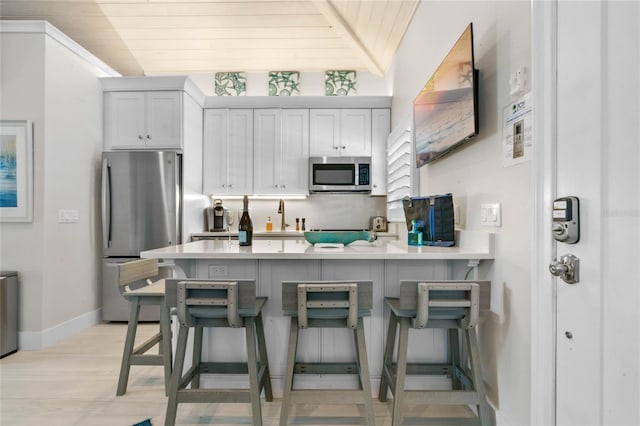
(283, 226)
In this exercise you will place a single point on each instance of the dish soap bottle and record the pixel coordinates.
(269, 224)
(245, 227)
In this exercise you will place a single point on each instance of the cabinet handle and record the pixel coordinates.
(344, 147)
(230, 186)
(148, 136)
(224, 185)
(335, 147)
(276, 185)
(282, 186)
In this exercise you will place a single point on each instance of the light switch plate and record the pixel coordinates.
(490, 214)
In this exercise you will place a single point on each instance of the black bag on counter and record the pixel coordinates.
(434, 218)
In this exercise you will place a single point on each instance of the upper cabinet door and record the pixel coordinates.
(163, 119)
(227, 159)
(340, 132)
(281, 148)
(214, 151)
(240, 149)
(266, 148)
(124, 119)
(355, 132)
(141, 120)
(324, 128)
(293, 161)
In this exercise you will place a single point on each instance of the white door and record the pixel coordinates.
(598, 115)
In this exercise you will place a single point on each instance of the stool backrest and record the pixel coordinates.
(130, 272)
(441, 300)
(210, 299)
(327, 301)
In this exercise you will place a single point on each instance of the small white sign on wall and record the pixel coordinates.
(517, 140)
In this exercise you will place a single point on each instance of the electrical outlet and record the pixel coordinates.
(217, 271)
(68, 216)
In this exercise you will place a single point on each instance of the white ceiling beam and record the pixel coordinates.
(345, 30)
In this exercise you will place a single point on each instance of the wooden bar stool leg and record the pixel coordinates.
(288, 382)
(252, 366)
(197, 356)
(388, 358)
(165, 344)
(176, 377)
(264, 359)
(364, 372)
(484, 411)
(129, 343)
(401, 371)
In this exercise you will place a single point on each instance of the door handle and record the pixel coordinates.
(106, 203)
(567, 268)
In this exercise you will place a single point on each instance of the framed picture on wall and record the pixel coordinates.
(16, 171)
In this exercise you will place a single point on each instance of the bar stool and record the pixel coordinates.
(217, 303)
(140, 293)
(452, 305)
(332, 304)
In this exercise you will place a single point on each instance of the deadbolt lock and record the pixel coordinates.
(567, 268)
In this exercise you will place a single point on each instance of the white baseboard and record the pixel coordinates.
(37, 340)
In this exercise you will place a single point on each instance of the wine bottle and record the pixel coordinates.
(245, 227)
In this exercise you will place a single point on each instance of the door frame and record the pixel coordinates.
(543, 291)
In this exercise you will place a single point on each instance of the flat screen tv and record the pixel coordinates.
(445, 112)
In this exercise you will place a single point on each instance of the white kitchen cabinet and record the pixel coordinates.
(143, 120)
(281, 151)
(228, 151)
(380, 129)
(344, 132)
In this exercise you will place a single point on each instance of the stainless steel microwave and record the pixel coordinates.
(339, 174)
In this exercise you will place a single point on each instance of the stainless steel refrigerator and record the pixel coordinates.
(141, 210)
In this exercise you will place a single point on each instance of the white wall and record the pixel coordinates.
(311, 84)
(44, 81)
(475, 175)
(328, 211)
(21, 94)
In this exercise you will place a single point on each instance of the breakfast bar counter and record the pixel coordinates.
(270, 262)
(469, 246)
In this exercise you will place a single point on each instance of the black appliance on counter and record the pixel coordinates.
(433, 216)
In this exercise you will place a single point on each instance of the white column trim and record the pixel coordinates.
(44, 27)
(543, 295)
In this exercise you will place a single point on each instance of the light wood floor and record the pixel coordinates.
(74, 383)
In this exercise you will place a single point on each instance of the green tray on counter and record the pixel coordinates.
(338, 237)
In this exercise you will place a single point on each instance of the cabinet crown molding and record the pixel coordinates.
(153, 83)
(297, 102)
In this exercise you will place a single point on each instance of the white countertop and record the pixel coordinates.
(275, 234)
(470, 245)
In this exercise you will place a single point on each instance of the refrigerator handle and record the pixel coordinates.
(106, 203)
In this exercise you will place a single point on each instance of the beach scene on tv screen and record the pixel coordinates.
(444, 110)
(441, 121)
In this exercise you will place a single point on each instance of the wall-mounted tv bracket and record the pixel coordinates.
(566, 220)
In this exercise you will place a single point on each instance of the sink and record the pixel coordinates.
(338, 237)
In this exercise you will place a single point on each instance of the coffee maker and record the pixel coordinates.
(216, 216)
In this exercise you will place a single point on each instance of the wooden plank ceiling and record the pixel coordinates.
(150, 37)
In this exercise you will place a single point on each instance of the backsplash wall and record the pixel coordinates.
(328, 211)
